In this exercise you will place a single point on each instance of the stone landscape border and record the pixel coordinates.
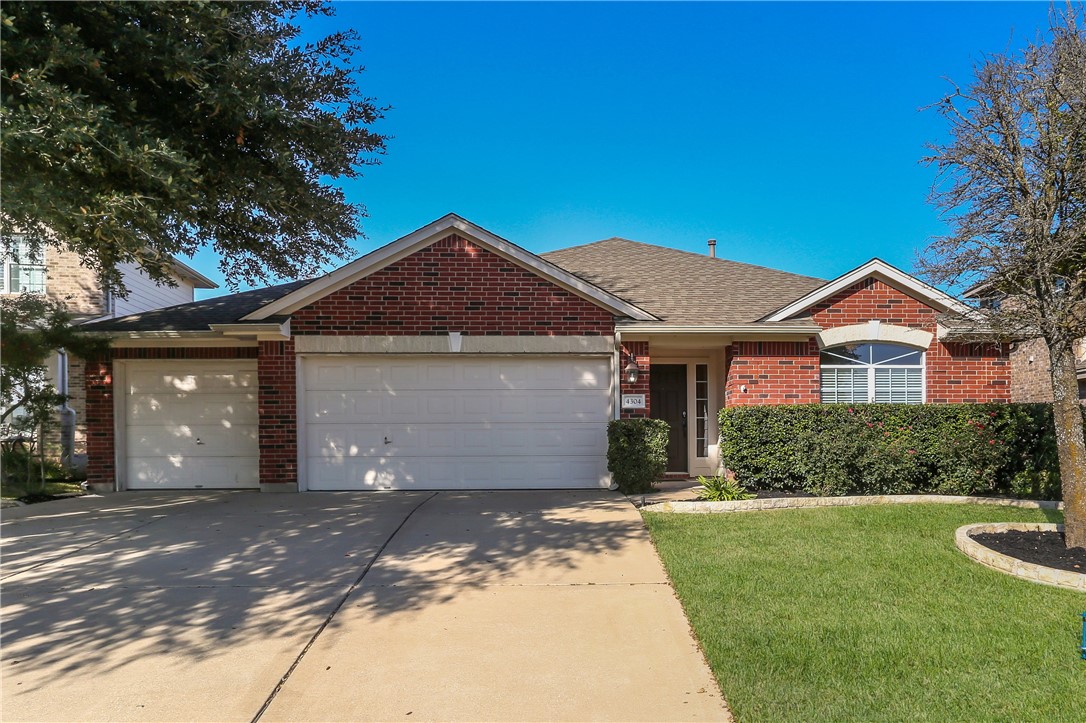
(1013, 566)
(793, 503)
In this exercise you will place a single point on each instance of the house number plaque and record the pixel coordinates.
(633, 401)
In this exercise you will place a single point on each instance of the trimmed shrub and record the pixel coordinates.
(636, 453)
(837, 449)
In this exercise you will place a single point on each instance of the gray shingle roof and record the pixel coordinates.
(680, 287)
(197, 315)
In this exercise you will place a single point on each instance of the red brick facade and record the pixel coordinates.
(453, 285)
(771, 372)
(278, 410)
(640, 351)
(788, 373)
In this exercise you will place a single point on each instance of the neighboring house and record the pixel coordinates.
(1031, 371)
(1031, 366)
(452, 358)
(60, 276)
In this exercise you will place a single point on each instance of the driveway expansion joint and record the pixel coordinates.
(339, 606)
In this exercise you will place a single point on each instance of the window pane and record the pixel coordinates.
(847, 354)
(893, 352)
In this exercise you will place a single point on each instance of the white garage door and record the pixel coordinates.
(191, 424)
(455, 422)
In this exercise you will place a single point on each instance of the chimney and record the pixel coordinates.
(712, 248)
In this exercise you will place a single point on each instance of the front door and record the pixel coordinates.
(667, 397)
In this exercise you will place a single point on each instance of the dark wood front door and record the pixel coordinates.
(667, 401)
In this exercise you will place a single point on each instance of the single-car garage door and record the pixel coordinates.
(190, 424)
(455, 422)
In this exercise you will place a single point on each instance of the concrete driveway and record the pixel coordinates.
(341, 606)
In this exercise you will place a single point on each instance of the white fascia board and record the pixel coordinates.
(792, 329)
(263, 332)
(409, 244)
(199, 280)
(875, 267)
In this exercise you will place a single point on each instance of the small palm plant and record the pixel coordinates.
(722, 488)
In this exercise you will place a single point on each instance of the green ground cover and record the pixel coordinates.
(871, 613)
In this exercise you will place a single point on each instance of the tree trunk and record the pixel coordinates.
(1072, 451)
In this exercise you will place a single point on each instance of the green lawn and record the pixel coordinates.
(13, 490)
(871, 613)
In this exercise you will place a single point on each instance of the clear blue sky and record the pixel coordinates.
(790, 132)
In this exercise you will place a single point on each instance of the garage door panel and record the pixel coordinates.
(195, 440)
(347, 407)
(208, 381)
(455, 473)
(456, 422)
(181, 408)
(455, 440)
(175, 472)
(412, 375)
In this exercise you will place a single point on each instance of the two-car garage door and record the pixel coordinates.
(454, 422)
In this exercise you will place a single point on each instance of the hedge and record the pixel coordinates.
(837, 449)
(636, 452)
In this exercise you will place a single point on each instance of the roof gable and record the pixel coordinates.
(427, 235)
(883, 271)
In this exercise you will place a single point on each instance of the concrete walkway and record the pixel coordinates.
(340, 606)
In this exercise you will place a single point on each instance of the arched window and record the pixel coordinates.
(875, 372)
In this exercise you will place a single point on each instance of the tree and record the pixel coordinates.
(1012, 186)
(135, 131)
(32, 329)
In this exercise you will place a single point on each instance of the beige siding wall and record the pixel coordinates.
(144, 294)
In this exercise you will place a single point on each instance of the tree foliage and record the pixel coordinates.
(1012, 186)
(134, 131)
(33, 328)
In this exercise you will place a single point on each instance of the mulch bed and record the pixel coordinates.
(776, 494)
(1040, 548)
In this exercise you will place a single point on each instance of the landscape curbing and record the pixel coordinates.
(1013, 566)
(792, 503)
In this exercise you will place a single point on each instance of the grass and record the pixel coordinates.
(872, 614)
(12, 490)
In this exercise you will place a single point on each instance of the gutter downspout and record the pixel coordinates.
(67, 414)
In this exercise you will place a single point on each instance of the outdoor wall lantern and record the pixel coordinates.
(631, 371)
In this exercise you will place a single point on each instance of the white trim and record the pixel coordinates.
(185, 271)
(262, 332)
(806, 329)
(120, 417)
(874, 331)
(533, 345)
(885, 272)
(301, 438)
(424, 237)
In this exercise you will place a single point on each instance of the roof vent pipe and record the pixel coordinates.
(712, 248)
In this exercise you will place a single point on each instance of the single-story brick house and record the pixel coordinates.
(452, 358)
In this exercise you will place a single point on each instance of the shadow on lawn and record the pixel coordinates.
(199, 576)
